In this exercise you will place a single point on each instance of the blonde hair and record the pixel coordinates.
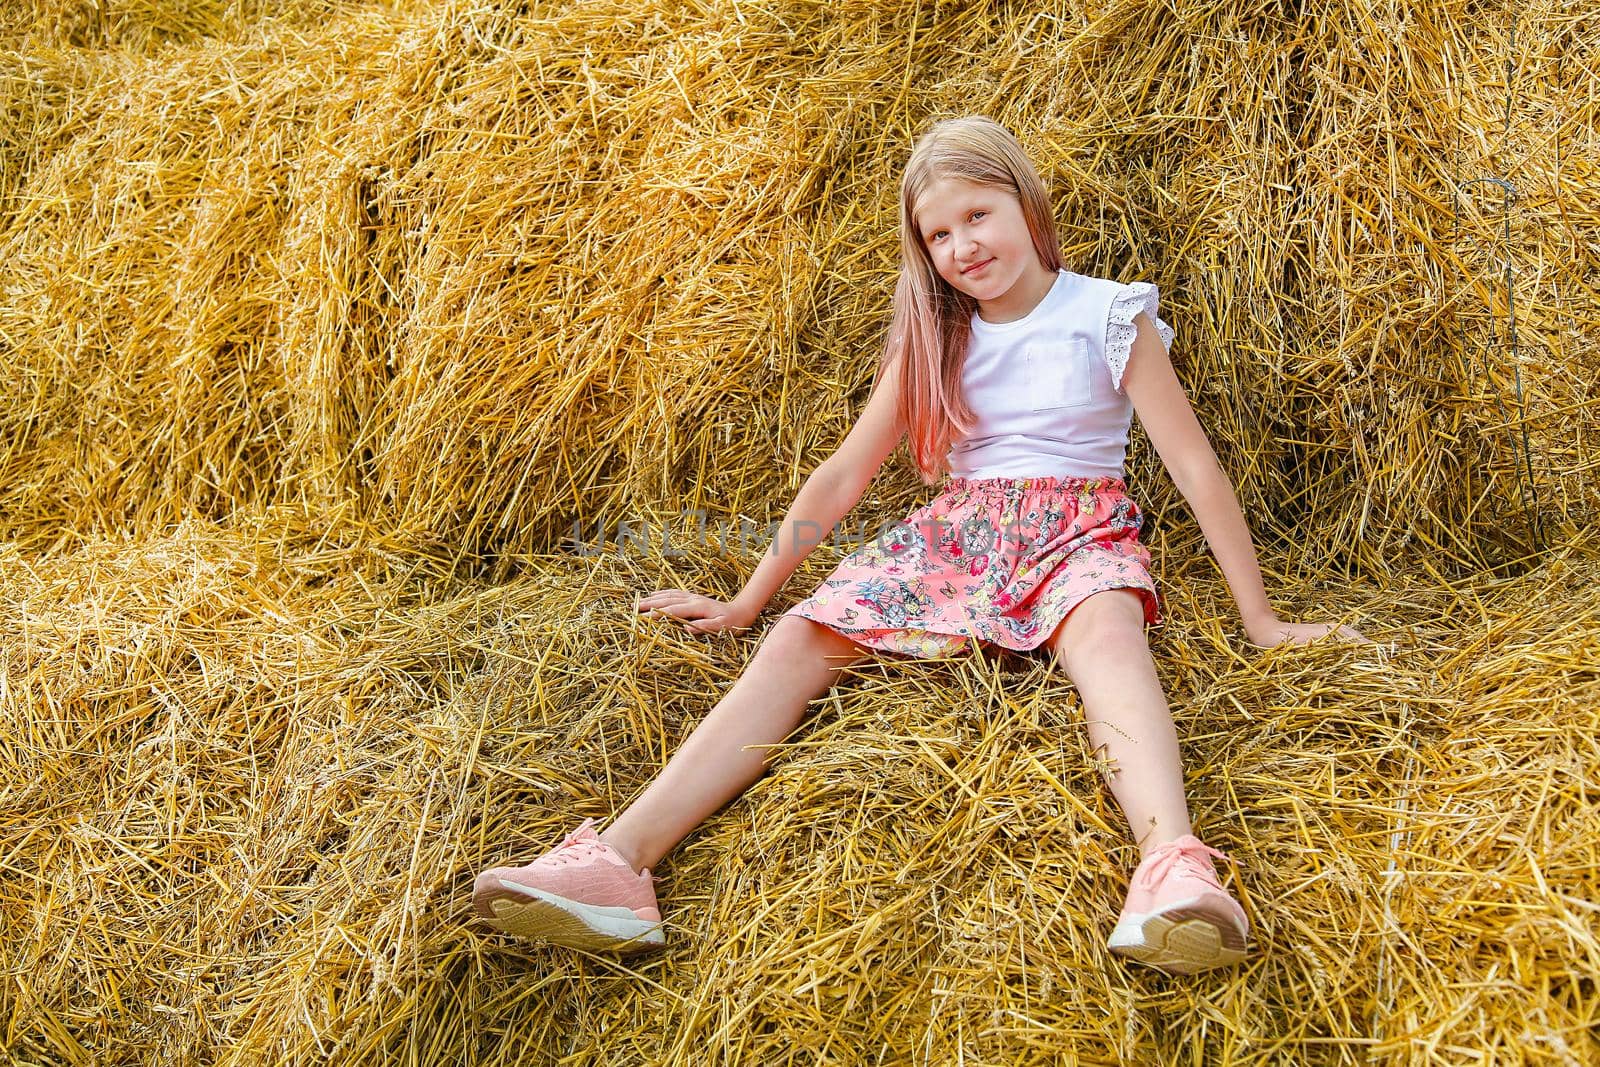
(933, 320)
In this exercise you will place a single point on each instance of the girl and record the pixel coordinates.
(1022, 377)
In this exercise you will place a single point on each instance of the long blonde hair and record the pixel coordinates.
(932, 320)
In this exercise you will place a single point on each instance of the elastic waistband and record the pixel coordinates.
(953, 484)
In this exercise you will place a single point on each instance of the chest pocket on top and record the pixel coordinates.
(1058, 374)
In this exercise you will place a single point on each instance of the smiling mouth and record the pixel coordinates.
(978, 266)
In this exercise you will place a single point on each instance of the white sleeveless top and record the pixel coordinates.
(1047, 388)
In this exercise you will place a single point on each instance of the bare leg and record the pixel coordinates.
(798, 661)
(1102, 646)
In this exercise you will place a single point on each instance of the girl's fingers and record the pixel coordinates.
(684, 610)
(696, 612)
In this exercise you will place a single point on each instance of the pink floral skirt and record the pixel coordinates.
(997, 560)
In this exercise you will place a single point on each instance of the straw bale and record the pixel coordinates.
(1463, 440)
(391, 280)
(146, 26)
(252, 774)
(325, 322)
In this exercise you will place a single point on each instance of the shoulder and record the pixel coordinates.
(1129, 299)
(1144, 294)
(1120, 301)
(1088, 283)
(1116, 304)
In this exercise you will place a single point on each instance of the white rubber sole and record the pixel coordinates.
(528, 912)
(1184, 939)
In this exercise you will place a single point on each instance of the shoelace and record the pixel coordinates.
(572, 838)
(571, 849)
(1191, 852)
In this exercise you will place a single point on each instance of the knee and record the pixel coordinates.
(790, 634)
(1100, 626)
(794, 637)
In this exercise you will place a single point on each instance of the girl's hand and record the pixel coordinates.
(1278, 632)
(698, 613)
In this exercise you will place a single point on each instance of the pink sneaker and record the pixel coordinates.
(1178, 917)
(582, 894)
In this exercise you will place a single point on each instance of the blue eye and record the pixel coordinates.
(935, 234)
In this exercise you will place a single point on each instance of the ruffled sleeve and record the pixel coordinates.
(1131, 299)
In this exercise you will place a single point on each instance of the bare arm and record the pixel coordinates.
(1170, 423)
(825, 498)
(831, 491)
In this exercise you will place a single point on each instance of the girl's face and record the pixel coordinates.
(979, 244)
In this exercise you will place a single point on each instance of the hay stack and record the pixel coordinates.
(257, 272)
(250, 780)
(324, 328)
